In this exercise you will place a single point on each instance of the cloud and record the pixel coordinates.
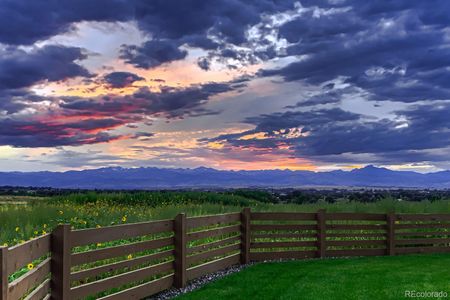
(391, 51)
(328, 134)
(78, 121)
(170, 23)
(152, 53)
(331, 97)
(121, 79)
(25, 22)
(169, 102)
(36, 133)
(20, 69)
(79, 159)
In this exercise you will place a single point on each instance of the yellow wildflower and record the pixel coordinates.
(61, 212)
(99, 244)
(30, 266)
(124, 218)
(17, 229)
(36, 232)
(44, 232)
(98, 226)
(129, 256)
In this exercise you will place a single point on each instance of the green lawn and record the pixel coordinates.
(356, 278)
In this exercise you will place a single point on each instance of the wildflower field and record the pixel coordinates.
(23, 218)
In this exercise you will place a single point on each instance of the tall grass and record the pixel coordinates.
(20, 222)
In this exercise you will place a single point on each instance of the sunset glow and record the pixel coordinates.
(249, 85)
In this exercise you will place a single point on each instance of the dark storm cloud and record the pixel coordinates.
(33, 133)
(20, 69)
(391, 49)
(144, 135)
(169, 102)
(14, 100)
(121, 79)
(152, 53)
(330, 133)
(172, 19)
(210, 25)
(24, 22)
(332, 97)
(170, 23)
(96, 117)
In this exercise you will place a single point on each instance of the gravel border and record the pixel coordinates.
(197, 283)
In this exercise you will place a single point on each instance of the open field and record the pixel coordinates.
(352, 278)
(38, 216)
(22, 218)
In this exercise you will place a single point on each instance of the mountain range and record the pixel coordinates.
(159, 178)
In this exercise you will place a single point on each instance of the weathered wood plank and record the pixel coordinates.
(276, 255)
(245, 235)
(3, 273)
(213, 232)
(282, 227)
(283, 216)
(356, 235)
(209, 246)
(95, 287)
(255, 245)
(22, 254)
(212, 253)
(411, 250)
(19, 287)
(111, 252)
(356, 227)
(40, 292)
(423, 226)
(119, 265)
(421, 241)
(143, 290)
(423, 233)
(355, 252)
(423, 217)
(356, 216)
(195, 222)
(60, 263)
(213, 266)
(283, 235)
(356, 243)
(390, 235)
(321, 232)
(180, 278)
(98, 235)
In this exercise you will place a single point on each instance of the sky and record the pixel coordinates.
(227, 84)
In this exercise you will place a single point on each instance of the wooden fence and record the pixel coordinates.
(134, 261)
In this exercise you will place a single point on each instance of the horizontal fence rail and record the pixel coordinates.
(134, 261)
(30, 262)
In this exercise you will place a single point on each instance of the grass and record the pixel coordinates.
(347, 278)
(22, 218)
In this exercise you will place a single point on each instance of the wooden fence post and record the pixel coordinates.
(3, 273)
(321, 233)
(180, 251)
(245, 235)
(60, 263)
(390, 238)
